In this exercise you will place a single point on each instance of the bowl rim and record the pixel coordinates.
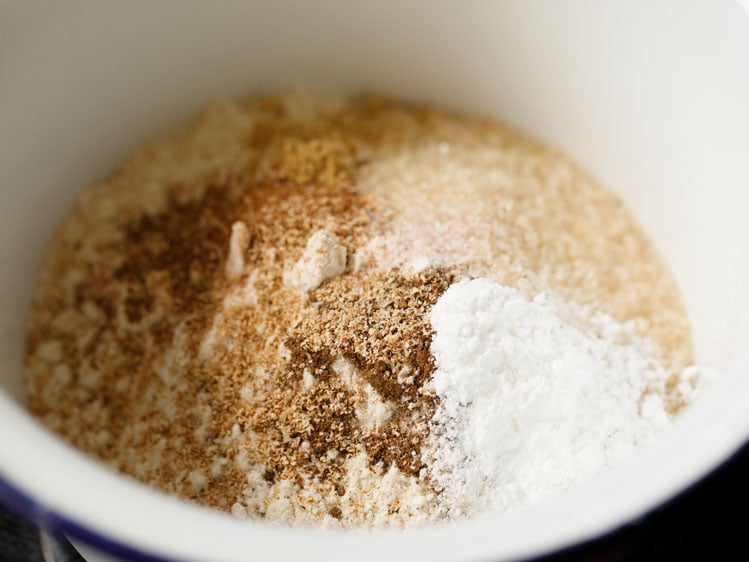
(59, 488)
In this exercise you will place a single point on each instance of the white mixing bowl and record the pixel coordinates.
(653, 97)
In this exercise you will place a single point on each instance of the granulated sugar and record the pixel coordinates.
(530, 404)
(332, 312)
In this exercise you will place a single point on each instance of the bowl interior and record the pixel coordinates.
(651, 98)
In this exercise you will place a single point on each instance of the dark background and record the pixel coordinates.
(708, 522)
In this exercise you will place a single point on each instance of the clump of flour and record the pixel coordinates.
(529, 403)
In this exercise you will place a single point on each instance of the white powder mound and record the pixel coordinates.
(323, 258)
(529, 404)
(240, 239)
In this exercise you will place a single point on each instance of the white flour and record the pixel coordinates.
(529, 404)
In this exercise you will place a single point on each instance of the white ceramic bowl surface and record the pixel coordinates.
(653, 97)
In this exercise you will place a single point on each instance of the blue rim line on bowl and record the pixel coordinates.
(33, 511)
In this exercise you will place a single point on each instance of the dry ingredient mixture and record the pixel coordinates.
(355, 312)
